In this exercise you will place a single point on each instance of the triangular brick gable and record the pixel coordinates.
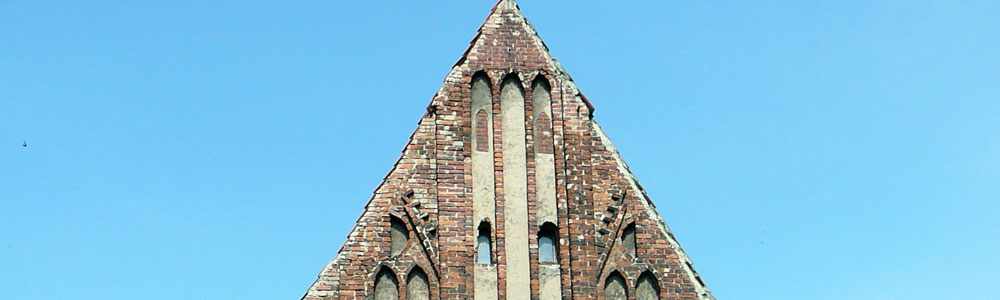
(430, 186)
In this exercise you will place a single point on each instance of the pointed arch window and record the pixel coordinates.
(400, 236)
(417, 287)
(647, 288)
(484, 245)
(614, 287)
(386, 286)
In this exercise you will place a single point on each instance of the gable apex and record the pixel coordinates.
(512, 36)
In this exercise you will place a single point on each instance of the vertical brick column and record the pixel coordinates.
(455, 205)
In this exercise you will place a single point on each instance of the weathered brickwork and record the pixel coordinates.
(481, 132)
(430, 191)
(543, 129)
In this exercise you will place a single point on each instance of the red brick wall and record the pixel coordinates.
(436, 167)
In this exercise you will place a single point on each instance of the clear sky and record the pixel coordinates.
(223, 150)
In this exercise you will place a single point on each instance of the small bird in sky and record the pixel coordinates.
(24, 144)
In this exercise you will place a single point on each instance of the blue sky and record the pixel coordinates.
(222, 150)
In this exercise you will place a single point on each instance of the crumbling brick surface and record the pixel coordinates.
(430, 187)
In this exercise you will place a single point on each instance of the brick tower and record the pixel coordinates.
(508, 189)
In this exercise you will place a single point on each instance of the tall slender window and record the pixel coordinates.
(386, 286)
(547, 243)
(484, 251)
(400, 236)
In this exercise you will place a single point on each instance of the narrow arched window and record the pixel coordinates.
(484, 245)
(386, 286)
(647, 288)
(417, 287)
(628, 239)
(548, 243)
(614, 287)
(400, 236)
